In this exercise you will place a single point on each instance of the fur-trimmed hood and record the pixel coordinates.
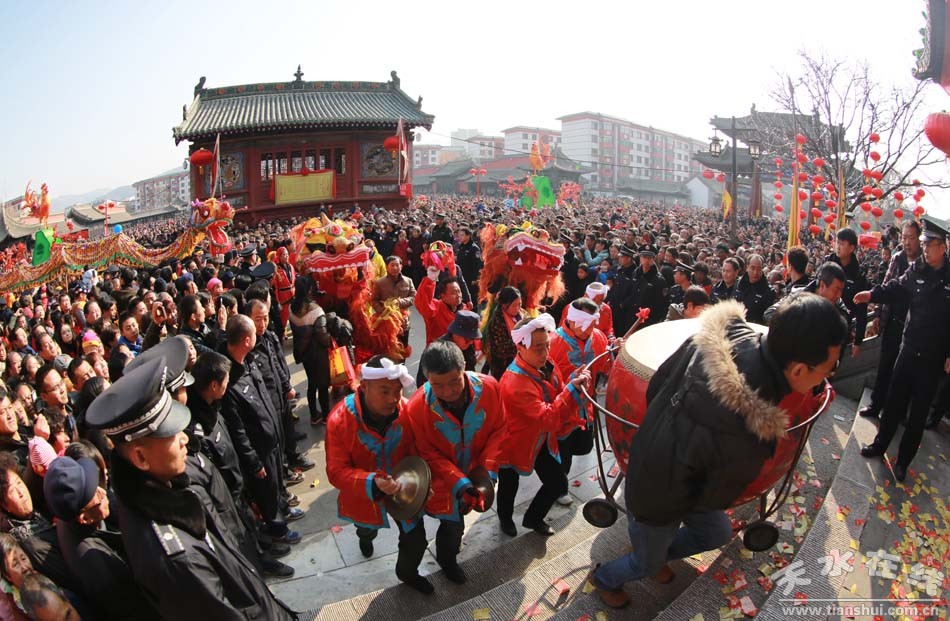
(722, 332)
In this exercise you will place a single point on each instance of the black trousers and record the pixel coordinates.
(890, 347)
(579, 442)
(266, 493)
(317, 384)
(412, 547)
(553, 486)
(914, 382)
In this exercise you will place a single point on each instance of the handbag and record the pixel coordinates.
(342, 372)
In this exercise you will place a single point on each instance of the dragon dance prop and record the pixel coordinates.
(523, 257)
(71, 258)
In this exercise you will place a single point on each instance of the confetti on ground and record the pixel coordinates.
(698, 617)
(854, 544)
(532, 610)
(583, 618)
(561, 586)
(600, 616)
(315, 483)
(746, 554)
(786, 548)
(825, 441)
(594, 478)
(575, 483)
(801, 598)
(748, 608)
(614, 471)
(588, 587)
(336, 528)
(481, 614)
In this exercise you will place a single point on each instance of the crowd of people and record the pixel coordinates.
(148, 426)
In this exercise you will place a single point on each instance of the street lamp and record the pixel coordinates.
(755, 148)
(478, 173)
(715, 145)
(715, 150)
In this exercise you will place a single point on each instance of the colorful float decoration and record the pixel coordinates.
(67, 259)
(523, 257)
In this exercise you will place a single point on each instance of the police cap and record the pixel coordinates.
(139, 405)
(175, 352)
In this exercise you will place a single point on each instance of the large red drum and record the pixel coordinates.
(642, 354)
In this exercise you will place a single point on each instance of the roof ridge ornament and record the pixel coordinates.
(394, 78)
(298, 75)
(199, 86)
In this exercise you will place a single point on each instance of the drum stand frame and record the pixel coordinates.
(761, 532)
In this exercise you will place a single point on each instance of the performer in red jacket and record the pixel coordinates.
(458, 424)
(596, 292)
(539, 407)
(574, 345)
(368, 433)
(437, 300)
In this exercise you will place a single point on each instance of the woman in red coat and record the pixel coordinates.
(539, 408)
(368, 433)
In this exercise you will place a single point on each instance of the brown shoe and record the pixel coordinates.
(614, 599)
(665, 575)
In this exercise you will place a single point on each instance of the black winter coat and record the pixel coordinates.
(249, 413)
(183, 556)
(711, 422)
(756, 297)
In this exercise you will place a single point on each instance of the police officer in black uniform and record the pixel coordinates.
(441, 230)
(925, 349)
(180, 552)
(620, 296)
(891, 319)
(645, 288)
(682, 277)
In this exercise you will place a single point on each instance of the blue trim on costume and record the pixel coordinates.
(369, 485)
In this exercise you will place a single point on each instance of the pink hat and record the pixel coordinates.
(213, 282)
(41, 452)
(90, 341)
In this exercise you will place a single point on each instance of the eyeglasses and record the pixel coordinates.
(833, 370)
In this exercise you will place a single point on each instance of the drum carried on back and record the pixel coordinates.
(641, 355)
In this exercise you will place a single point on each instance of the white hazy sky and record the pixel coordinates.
(91, 90)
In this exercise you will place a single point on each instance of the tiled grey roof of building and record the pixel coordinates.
(298, 104)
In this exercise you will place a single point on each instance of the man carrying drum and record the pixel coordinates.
(712, 421)
(458, 425)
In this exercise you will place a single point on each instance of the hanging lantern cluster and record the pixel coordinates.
(873, 192)
(814, 189)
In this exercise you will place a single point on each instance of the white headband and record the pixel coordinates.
(389, 371)
(581, 317)
(594, 289)
(522, 335)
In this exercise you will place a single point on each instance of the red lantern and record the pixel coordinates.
(777, 161)
(800, 139)
(898, 196)
(779, 185)
(830, 204)
(779, 208)
(391, 143)
(803, 195)
(778, 197)
(867, 172)
(482, 172)
(919, 194)
(708, 174)
(866, 189)
(915, 182)
(877, 212)
(866, 206)
(937, 128)
(802, 177)
(817, 179)
(201, 158)
(818, 162)
(830, 187)
(802, 215)
(918, 211)
(875, 156)
(815, 212)
(898, 214)
(829, 218)
(865, 225)
(875, 137)
(877, 192)
(817, 196)
(802, 158)
(720, 178)
(877, 175)
(815, 230)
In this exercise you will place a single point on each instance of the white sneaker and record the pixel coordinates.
(565, 500)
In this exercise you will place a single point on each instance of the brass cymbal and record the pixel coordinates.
(481, 480)
(414, 477)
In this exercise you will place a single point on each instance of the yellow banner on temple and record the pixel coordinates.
(315, 186)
